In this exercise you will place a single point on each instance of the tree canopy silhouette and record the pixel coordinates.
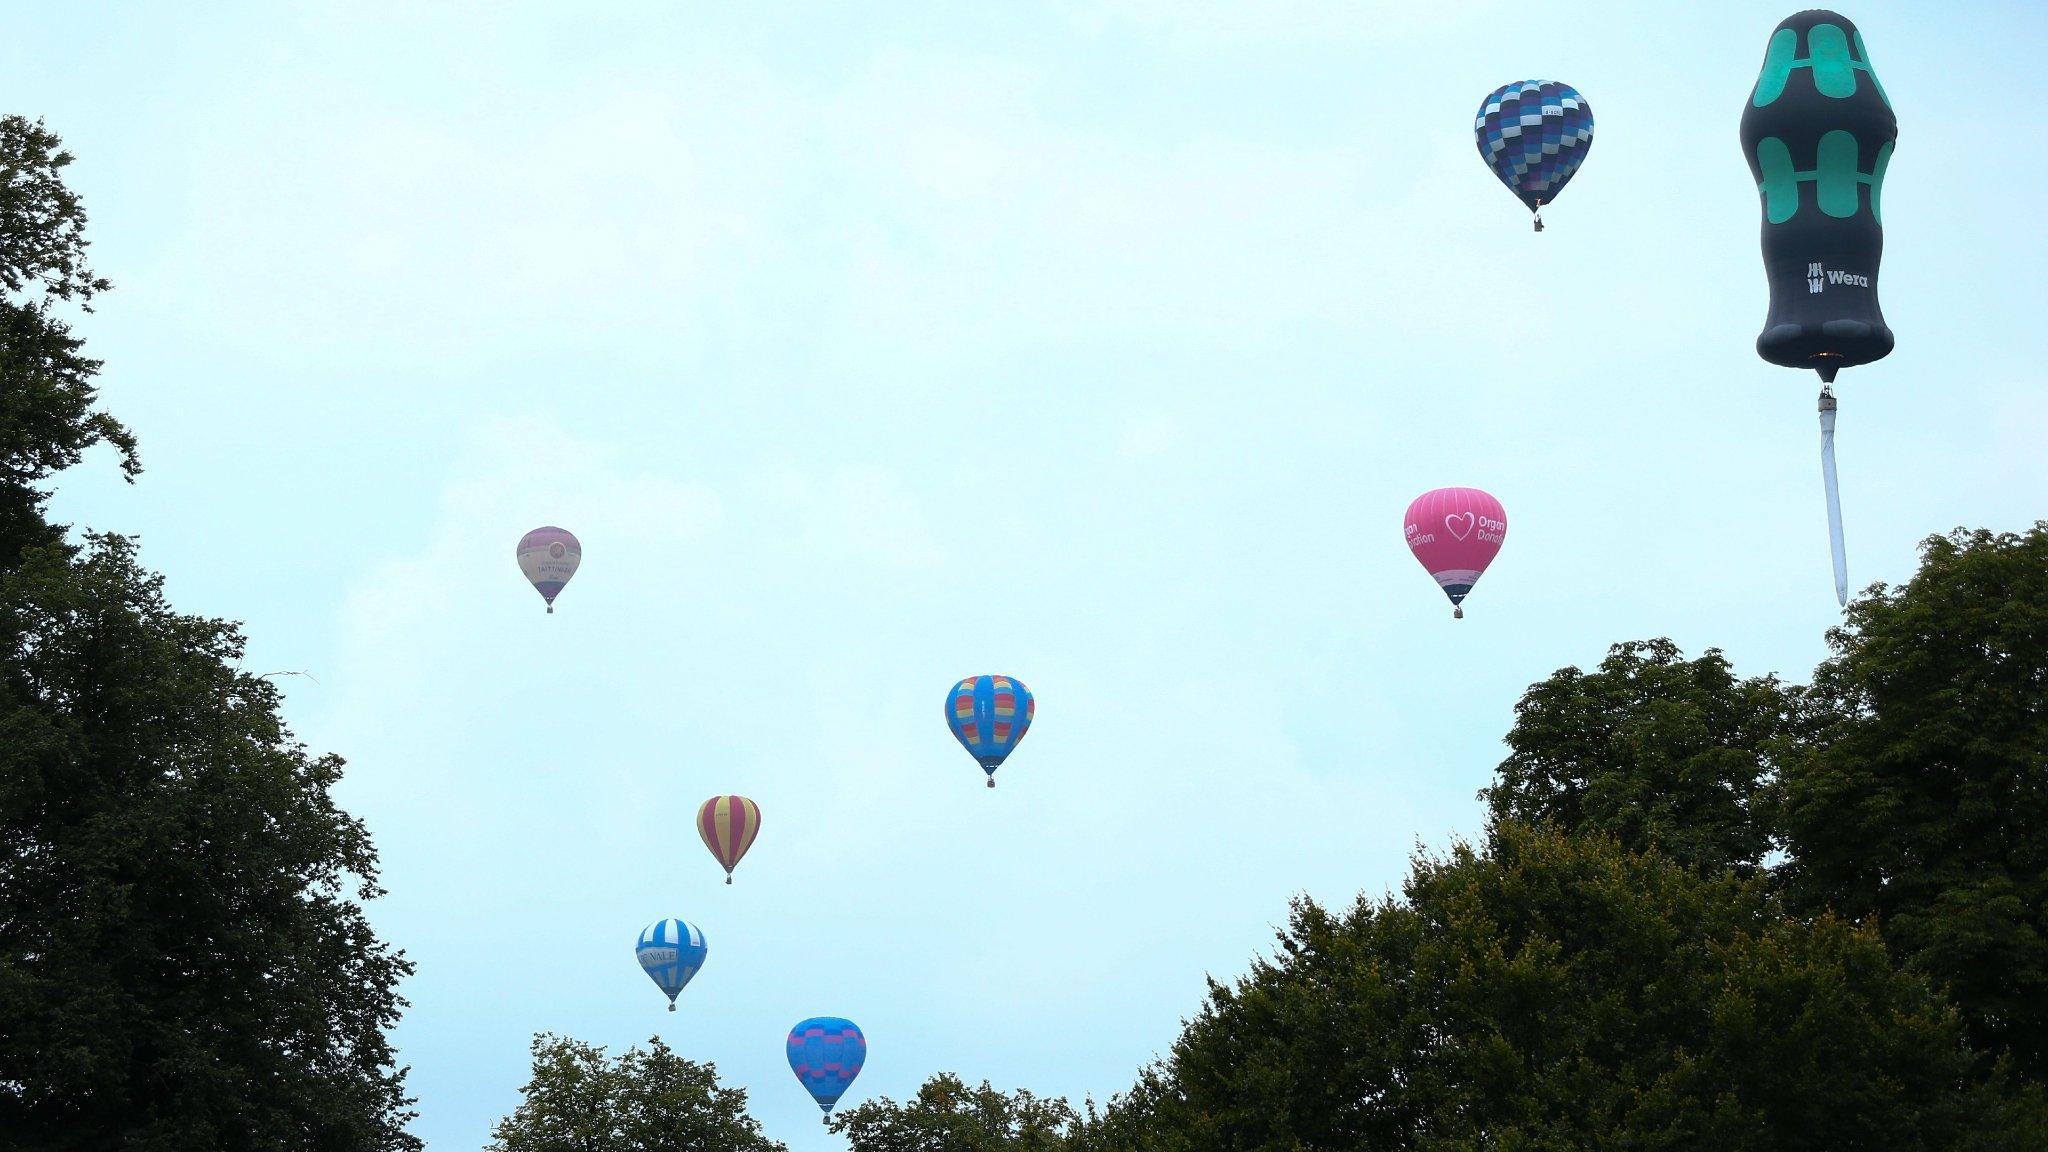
(184, 959)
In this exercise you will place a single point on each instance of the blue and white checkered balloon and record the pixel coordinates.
(1534, 134)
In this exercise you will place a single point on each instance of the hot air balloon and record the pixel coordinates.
(1455, 533)
(989, 715)
(549, 556)
(826, 1053)
(728, 825)
(670, 951)
(1534, 134)
(1818, 132)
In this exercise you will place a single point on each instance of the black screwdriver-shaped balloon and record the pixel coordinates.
(1818, 133)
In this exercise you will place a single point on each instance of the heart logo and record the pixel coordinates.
(1460, 523)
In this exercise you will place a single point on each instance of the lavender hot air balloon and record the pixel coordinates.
(549, 556)
(1455, 533)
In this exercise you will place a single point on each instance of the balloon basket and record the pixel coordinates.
(728, 880)
(991, 781)
(1457, 613)
(671, 1005)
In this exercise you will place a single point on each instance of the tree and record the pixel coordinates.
(181, 962)
(1922, 802)
(948, 1116)
(1652, 749)
(47, 420)
(642, 1101)
(42, 223)
(184, 960)
(1557, 992)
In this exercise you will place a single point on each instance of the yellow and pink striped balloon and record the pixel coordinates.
(728, 825)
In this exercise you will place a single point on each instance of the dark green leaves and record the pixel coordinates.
(649, 1100)
(1558, 992)
(183, 959)
(47, 420)
(42, 223)
(1652, 749)
(1922, 802)
(948, 1116)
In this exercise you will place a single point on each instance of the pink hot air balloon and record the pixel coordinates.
(1455, 533)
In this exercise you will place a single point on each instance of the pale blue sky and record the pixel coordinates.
(869, 346)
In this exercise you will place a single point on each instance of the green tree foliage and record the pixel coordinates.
(1560, 993)
(42, 223)
(184, 961)
(47, 420)
(1923, 800)
(1652, 749)
(948, 1116)
(643, 1101)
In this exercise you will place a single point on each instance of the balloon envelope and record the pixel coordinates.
(1818, 132)
(670, 951)
(1455, 533)
(826, 1053)
(1534, 134)
(728, 825)
(549, 557)
(989, 716)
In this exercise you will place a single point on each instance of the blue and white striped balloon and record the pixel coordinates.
(670, 951)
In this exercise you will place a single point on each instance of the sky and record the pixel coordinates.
(869, 346)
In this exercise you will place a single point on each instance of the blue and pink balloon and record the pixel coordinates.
(826, 1053)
